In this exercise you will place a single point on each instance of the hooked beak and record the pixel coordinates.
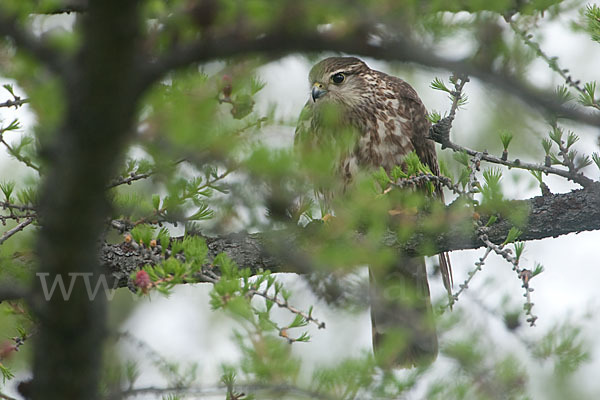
(317, 91)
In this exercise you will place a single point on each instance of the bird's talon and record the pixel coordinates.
(327, 217)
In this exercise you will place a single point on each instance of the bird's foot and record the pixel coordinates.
(327, 217)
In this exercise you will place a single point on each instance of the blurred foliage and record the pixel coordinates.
(199, 159)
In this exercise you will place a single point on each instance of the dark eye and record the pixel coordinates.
(338, 78)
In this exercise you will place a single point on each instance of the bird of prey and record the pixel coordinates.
(377, 120)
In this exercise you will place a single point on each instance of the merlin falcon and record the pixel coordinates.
(378, 120)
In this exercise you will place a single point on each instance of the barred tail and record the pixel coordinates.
(402, 318)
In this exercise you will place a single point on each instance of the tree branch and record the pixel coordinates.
(16, 229)
(12, 292)
(549, 216)
(81, 157)
(571, 175)
(16, 103)
(281, 41)
(29, 43)
(68, 8)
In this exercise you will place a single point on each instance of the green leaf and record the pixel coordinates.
(491, 191)
(242, 106)
(14, 125)
(571, 139)
(9, 88)
(445, 170)
(6, 373)
(463, 178)
(256, 85)
(195, 249)
(382, 178)
(7, 188)
(143, 233)
(582, 161)
(491, 221)
(229, 269)
(303, 338)
(28, 195)
(462, 101)
(240, 307)
(539, 268)
(506, 137)
(203, 212)
(519, 247)
(556, 135)
(438, 84)
(163, 237)
(596, 159)
(547, 145)
(462, 158)
(414, 165)
(592, 15)
(513, 234)
(171, 266)
(588, 98)
(563, 94)
(434, 116)
(398, 173)
(537, 175)
(155, 201)
(298, 321)
(269, 304)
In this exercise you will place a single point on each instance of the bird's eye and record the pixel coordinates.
(338, 78)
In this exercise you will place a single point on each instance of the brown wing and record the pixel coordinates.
(417, 126)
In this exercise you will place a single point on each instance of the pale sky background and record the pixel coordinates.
(184, 329)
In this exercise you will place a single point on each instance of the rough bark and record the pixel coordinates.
(81, 158)
(549, 216)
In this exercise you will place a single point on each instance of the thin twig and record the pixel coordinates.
(550, 61)
(24, 39)
(459, 83)
(578, 178)
(128, 180)
(17, 102)
(67, 10)
(4, 218)
(287, 306)
(440, 132)
(280, 41)
(150, 354)
(19, 157)
(247, 387)
(16, 229)
(133, 176)
(158, 216)
(465, 285)
(6, 397)
(421, 178)
(20, 207)
(524, 275)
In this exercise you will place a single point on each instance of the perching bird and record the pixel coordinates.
(368, 120)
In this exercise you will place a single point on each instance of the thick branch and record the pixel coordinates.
(281, 41)
(12, 293)
(81, 157)
(549, 216)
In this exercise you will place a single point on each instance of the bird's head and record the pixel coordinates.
(338, 80)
